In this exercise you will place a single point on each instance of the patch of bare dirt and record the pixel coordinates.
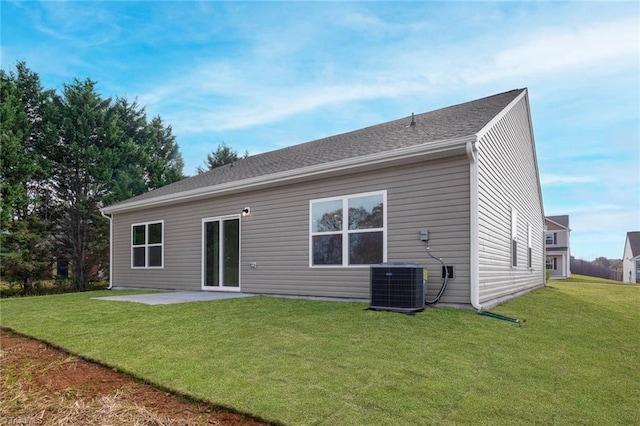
(43, 385)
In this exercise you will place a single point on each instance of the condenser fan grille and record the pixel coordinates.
(397, 288)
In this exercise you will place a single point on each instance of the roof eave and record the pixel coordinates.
(437, 149)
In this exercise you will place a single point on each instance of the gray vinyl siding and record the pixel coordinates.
(431, 195)
(508, 178)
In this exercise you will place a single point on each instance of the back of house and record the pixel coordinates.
(558, 246)
(631, 258)
(311, 219)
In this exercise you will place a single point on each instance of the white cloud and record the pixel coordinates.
(253, 88)
(580, 47)
(555, 179)
(248, 101)
(604, 219)
(82, 25)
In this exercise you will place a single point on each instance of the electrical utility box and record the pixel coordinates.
(398, 287)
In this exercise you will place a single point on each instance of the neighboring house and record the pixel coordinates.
(310, 219)
(558, 246)
(631, 258)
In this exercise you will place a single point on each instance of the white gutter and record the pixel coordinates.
(440, 149)
(110, 249)
(474, 237)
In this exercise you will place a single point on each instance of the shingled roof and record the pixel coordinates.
(562, 220)
(456, 121)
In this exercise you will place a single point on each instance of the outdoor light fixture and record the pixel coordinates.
(246, 211)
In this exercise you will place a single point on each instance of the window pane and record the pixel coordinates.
(155, 256)
(550, 238)
(551, 262)
(327, 250)
(139, 257)
(365, 248)
(231, 252)
(155, 233)
(326, 216)
(138, 235)
(366, 212)
(212, 275)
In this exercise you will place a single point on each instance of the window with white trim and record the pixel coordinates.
(147, 245)
(349, 230)
(551, 238)
(552, 263)
(529, 247)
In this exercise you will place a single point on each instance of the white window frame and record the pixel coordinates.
(203, 265)
(529, 248)
(553, 236)
(345, 232)
(146, 245)
(514, 238)
(552, 263)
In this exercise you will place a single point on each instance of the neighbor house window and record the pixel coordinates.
(147, 245)
(349, 230)
(552, 263)
(514, 236)
(551, 238)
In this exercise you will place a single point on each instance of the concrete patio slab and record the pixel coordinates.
(168, 298)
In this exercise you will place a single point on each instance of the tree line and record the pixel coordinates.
(599, 267)
(64, 155)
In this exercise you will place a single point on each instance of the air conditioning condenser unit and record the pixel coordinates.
(397, 287)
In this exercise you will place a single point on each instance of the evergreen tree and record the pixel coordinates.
(82, 162)
(129, 179)
(148, 155)
(163, 160)
(63, 157)
(24, 246)
(221, 156)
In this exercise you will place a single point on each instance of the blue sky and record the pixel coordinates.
(265, 75)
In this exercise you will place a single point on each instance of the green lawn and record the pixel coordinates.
(574, 361)
(575, 278)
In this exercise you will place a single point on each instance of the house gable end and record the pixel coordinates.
(561, 222)
(633, 241)
(508, 180)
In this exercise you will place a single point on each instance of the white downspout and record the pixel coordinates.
(474, 240)
(110, 249)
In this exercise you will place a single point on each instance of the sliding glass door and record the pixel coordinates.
(221, 253)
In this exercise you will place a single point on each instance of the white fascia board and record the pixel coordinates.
(442, 148)
(501, 114)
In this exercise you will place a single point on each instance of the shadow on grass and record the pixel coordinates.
(46, 287)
